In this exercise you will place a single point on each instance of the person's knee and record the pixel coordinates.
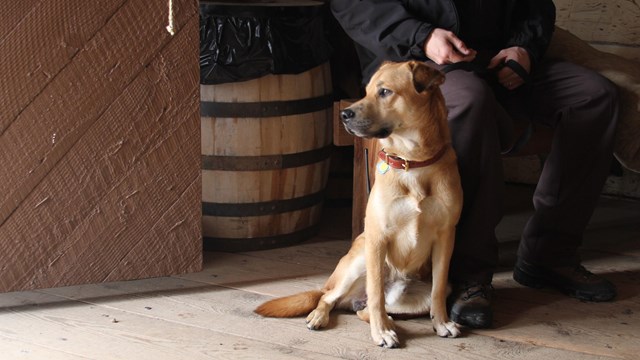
(595, 108)
(469, 99)
(472, 120)
(601, 91)
(472, 96)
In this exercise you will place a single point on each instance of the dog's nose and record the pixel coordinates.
(346, 115)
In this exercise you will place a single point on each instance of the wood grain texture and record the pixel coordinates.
(12, 14)
(604, 21)
(101, 168)
(250, 136)
(43, 40)
(209, 314)
(628, 52)
(348, 336)
(253, 193)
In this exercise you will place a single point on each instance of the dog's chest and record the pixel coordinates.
(408, 234)
(405, 210)
(401, 212)
(401, 199)
(408, 217)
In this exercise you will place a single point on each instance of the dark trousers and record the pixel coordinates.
(582, 107)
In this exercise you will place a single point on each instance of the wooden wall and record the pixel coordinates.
(99, 141)
(608, 25)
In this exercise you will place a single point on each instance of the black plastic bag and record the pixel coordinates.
(239, 42)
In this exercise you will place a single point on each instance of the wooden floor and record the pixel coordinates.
(208, 315)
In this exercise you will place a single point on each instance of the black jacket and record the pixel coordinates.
(396, 29)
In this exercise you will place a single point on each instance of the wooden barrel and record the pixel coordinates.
(266, 145)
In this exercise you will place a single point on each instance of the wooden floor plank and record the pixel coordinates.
(100, 330)
(512, 301)
(544, 317)
(189, 307)
(229, 311)
(321, 254)
(262, 275)
(210, 314)
(18, 349)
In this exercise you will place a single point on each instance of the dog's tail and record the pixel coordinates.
(291, 306)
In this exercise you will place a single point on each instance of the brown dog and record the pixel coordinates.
(411, 214)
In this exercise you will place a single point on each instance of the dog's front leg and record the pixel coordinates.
(441, 258)
(346, 279)
(382, 327)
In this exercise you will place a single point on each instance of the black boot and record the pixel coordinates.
(575, 280)
(470, 304)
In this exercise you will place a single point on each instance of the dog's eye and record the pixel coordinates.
(384, 92)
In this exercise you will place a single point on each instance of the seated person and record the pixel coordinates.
(579, 103)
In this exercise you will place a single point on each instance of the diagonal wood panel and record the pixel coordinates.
(43, 42)
(103, 165)
(13, 13)
(79, 94)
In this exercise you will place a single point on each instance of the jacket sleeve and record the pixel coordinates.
(383, 27)
(532, 27)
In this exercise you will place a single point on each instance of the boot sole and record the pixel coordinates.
(538, 282)
(481, 320)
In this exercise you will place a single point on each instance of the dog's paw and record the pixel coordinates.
(385, 335)
(386, 338)
(317, 320)
(447, 329)
(363, 314)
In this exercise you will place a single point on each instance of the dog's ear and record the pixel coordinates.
(425, 77)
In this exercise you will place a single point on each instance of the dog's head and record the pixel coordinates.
(394, 95)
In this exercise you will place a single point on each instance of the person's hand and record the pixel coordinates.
(507, 77)
(444, 47)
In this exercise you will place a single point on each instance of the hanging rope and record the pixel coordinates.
(170, 27)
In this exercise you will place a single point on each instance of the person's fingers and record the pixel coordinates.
(459, 45)
(455, 56)
(497, 60)
(470, 56)
(464, 53)
(444, 47)
(504, 74)
(509, 79)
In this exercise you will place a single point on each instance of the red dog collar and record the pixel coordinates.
(397, 162)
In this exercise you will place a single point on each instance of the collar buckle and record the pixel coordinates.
(405, 165)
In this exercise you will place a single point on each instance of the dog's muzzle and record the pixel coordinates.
(361, 127)
(347, 115)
